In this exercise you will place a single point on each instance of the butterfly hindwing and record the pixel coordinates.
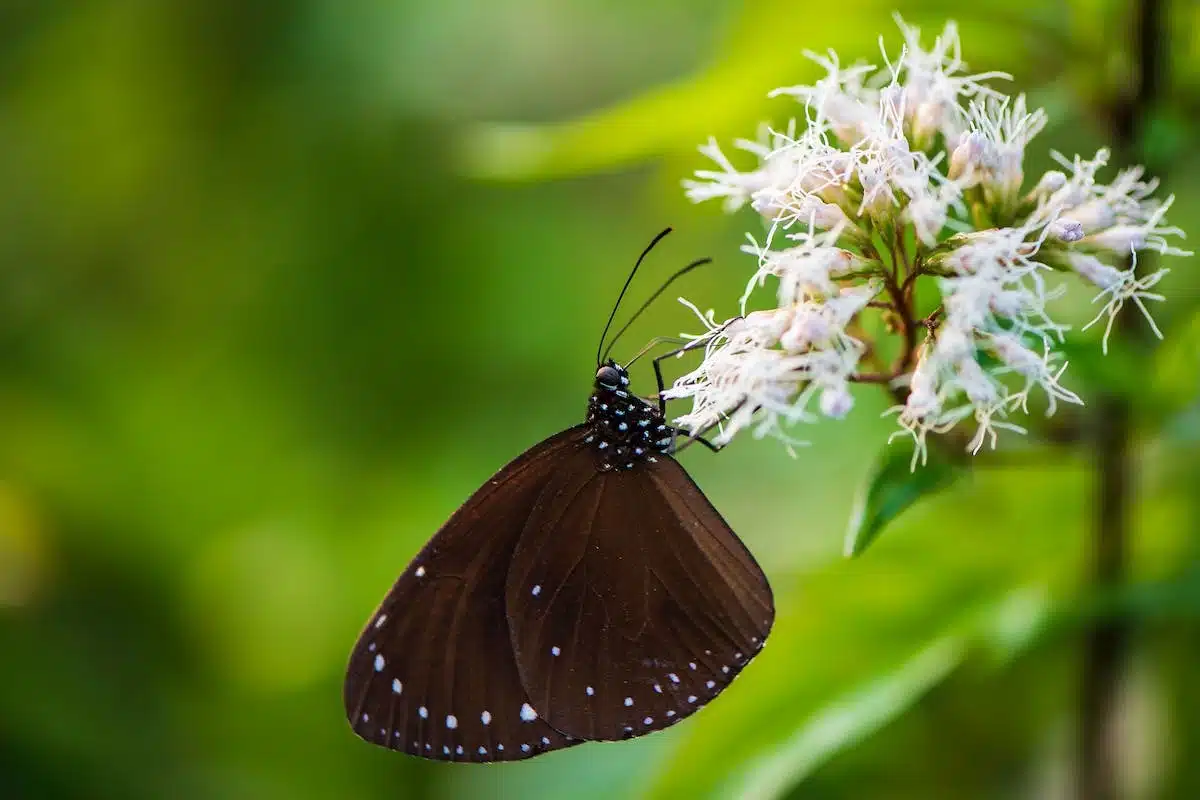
(647, 608)
(433, 672)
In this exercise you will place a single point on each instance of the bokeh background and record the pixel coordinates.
(282, 282)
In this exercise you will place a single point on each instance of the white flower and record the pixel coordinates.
(1037, 370)
(775, 172)
(1146, 234)
(1007, 128)
(836, 98)
(1063, 195)
(891, 179)
(987, 425)
(771, 363)
(808, 268)
(1117, 286)
(934, 86)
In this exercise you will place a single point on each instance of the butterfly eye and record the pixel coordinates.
(608, 376)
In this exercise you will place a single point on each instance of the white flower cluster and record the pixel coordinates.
(914, 171)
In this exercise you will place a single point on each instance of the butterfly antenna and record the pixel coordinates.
(617, 305)
(679, 274)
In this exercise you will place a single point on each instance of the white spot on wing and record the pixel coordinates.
(527, 713)
(537, 589)
(658, 688)
(554, 650)
(545, 741)
(397, 686)
(379, 663)
(648, 720)
(709, 684)
(674, 678)
(451, 721)
(486, 718)
(366, 718)
(382, 619)
(691, 698)
(524, 748)
(420, 572)
(459, 749)
(424, 712)
(590, 691)
(482, 750)
(628, 701)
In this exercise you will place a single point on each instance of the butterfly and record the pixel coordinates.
(588, 591)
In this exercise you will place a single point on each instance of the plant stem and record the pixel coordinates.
(1106, 650)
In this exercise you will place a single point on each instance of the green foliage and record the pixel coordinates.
(763, 50)
(896, 482)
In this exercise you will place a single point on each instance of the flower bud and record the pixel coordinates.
(809, 327)
(1093, 269)
(978, 387)
(1011, 351)
(1120, 239)
(968, 157)
(836, 401)
(927, 121)
(1066, 230)
(1050, 183)
(824, 216)
(1094, 215)
(954, 344)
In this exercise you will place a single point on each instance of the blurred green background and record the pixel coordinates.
(281, 283)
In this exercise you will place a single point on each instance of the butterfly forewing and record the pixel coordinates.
(631, 602)
(433, 673)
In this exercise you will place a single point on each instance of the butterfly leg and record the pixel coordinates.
(653, 343)
(657, 361)
(716, 448)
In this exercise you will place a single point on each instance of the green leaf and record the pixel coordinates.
(848, 721)
(892, 487)
(999, 633)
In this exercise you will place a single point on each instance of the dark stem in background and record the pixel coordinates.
(1106, 649)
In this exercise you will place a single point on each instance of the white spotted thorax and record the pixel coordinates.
(623, 429)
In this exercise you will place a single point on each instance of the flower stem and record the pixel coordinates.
(1106, 649)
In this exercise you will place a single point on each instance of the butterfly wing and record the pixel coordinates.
(433, 672)
(630, 601)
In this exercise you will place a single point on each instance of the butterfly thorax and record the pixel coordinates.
(624, 429)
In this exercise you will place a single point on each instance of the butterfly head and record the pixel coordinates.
(611, 377)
